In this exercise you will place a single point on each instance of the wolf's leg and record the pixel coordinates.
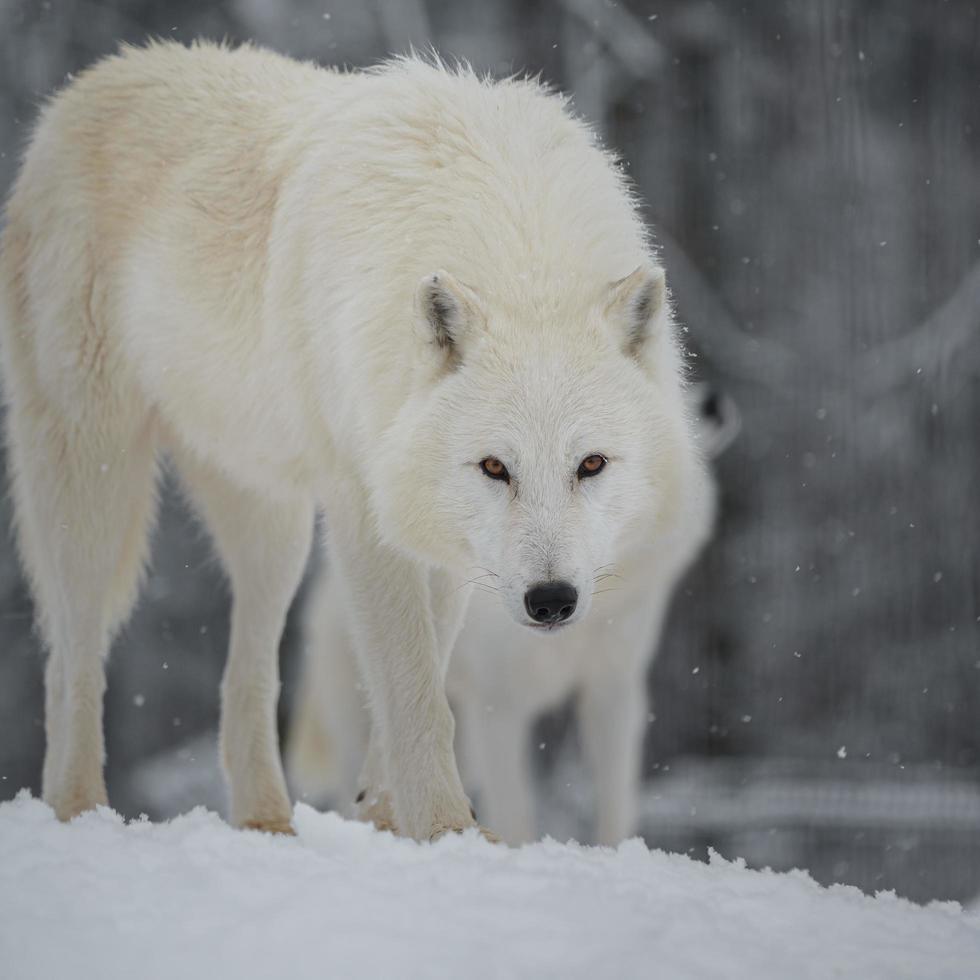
(404, 662)
(612, 712)
(84, 500)
(263, 545)
(328, 734)
(54, 724)
(448, 609)
(613, 708)
(450, 599)
(373, 801)
(497, 746)
(468, 735)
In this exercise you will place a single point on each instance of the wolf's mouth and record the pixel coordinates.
(547, 627)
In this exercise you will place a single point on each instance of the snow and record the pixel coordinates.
(193, 897)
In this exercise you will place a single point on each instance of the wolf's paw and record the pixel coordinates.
(488, 835)
(377, 810)
(270, 826)
(73, 800)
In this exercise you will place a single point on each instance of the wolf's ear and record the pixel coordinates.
(449, 312)
(637, 307)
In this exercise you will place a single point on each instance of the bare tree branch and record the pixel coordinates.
(625, 35)
(952, 331)
(757, 360)
(404, 23)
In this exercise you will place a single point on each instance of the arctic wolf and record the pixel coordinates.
(418, 299)
(502, 678)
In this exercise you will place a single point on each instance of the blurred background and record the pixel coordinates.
(812, 171)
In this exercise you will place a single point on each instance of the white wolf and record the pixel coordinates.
(502, 678)
(419, 299)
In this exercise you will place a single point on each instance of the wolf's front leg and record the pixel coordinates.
(403, 652)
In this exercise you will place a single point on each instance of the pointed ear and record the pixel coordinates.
(637, 307)
(449, 312)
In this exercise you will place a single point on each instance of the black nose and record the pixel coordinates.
(550, 602)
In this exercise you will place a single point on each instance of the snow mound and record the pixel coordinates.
(195, 898)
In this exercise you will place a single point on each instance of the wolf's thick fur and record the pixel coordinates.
(312, 288)
(502, 677)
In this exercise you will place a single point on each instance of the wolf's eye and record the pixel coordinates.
(493, 468)
(591, 465)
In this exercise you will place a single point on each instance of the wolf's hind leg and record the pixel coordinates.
(612, 714)
(328, 734)
(263, 545)
(84, 500)
(498, 744)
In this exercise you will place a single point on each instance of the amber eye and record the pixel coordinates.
(591, 465)
(493, 468)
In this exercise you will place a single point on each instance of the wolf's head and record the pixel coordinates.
(537, 448)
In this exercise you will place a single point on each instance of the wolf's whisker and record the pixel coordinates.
(473, 581)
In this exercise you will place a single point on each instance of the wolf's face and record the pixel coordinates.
(531, 463)
(551, 458)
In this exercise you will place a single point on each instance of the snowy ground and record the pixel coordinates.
(193, 898)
